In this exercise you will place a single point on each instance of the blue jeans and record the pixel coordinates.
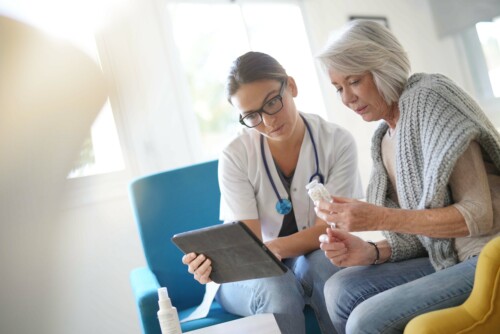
(284, 295)
(384, 298)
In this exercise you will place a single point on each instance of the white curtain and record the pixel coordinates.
(156, 122)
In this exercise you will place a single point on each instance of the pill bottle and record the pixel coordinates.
(318, 192)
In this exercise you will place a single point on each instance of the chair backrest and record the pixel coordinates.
(167, 203)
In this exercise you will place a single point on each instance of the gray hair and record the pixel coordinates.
(250, 67)
(366, 46)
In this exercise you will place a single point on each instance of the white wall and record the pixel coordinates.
(95, 243)
(95, 247)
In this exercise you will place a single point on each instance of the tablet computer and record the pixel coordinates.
(236, 253)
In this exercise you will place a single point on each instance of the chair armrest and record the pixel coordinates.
(145, 289)
(480, 313)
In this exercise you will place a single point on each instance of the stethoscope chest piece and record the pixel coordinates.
(283, 206)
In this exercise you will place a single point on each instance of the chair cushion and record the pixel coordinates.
(216, 316)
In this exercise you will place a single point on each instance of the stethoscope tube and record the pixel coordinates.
(284, 205)
(317, 173)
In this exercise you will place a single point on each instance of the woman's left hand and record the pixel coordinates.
(351, 215)
(344, 249)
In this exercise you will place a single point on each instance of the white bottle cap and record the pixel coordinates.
(311, 184)
(162, 294)
(163, 299)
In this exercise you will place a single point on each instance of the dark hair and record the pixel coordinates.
(250, 67)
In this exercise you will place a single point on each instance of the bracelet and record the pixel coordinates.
(377, 260)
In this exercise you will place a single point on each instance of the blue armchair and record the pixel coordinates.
(164, 204)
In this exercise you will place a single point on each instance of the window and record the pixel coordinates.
(210, 36)
(101, 152)
(489, 37)
(481, 46)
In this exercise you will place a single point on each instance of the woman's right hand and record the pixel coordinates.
(273, 246)
(199, 266)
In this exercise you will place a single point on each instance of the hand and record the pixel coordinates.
(351, 215)
(199, 266)
(273, 246)
(345, 250)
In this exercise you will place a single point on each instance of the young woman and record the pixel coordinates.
(263, 173)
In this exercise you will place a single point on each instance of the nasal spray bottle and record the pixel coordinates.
(167, 315)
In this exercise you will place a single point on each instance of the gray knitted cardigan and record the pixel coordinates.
(437, 122)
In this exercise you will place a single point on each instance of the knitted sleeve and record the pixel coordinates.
(404, 246)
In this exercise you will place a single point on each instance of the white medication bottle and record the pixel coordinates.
(167, 314)
(318, 192)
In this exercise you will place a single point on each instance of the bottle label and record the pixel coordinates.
(169, 323)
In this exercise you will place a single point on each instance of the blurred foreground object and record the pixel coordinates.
(50, 93)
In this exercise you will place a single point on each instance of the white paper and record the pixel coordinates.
(202, 310)
(263, 323)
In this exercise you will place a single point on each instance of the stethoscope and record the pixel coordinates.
(284, 205)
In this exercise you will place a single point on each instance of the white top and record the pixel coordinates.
(247, 193)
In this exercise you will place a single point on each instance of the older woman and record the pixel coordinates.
(434, 189)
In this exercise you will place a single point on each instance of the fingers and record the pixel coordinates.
(336, 252)
(186, 259)
(340, 260)
(327, 216)
(199, 266)
(324, 238)
(329, 212)
(334, 247)
(202, 274)
(328, 238)
(195, 263)
(335, 205)
(338, 234)
(323, 205)
(343, 199)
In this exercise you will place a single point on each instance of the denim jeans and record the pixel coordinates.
(384, 298)
(284, 295)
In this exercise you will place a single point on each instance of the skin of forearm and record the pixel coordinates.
(299, 243)
(254, 226)
(445, 222)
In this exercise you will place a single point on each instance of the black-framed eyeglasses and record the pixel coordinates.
(271, 107)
